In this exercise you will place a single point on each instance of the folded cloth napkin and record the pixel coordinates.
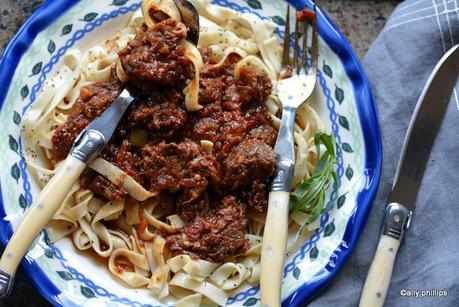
(398, 64)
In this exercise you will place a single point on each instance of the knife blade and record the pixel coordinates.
(419, 140)
(423, 128)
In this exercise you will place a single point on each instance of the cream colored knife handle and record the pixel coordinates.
(397, 220)
(380, 273)
(39, 214)
(273, 248)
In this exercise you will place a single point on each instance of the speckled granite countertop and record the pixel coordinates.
(359, 20)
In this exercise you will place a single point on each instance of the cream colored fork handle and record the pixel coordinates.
(273, 248)
(380, 273)
(40, 213)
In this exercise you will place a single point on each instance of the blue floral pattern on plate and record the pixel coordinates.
(346, 100)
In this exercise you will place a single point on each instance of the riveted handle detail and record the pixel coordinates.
(397, 219)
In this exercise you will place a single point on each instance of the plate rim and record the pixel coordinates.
(45, 15)
(51, 10)
(373, 154)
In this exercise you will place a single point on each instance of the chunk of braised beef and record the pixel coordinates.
(206, 129)
(250, 160)
(156, 58)
(253, 87)
(164, 165)
(161, 120)
(266, 133)
(167, 203)
(175, 165)
(256, 195)
(100, 185)
(211, 90)
(96, 97)
(257, 115)
(93, 101)
(167, 118)
(216, 236)
(211, 110)
(121, 154)
(65, 135)
(205, 165)
(192, 203)
(231, 133)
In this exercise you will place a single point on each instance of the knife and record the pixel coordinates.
(419, 140)
(88, 145)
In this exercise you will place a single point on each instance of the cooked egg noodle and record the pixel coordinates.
(138, 255)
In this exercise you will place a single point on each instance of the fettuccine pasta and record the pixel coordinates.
(132, 228)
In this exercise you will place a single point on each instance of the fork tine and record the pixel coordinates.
(315, 46)
(304, 56)
(295, 48)
(286, 46)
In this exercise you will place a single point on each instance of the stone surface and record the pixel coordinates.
(359, 20)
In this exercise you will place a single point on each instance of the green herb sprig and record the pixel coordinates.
(309, 196)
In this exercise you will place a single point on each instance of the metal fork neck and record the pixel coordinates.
(284, 144)
(285, 152)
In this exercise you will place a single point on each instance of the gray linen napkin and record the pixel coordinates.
(398, 64)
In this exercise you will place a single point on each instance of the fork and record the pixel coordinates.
(298, 78)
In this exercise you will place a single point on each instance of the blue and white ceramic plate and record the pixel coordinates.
(66, 277)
